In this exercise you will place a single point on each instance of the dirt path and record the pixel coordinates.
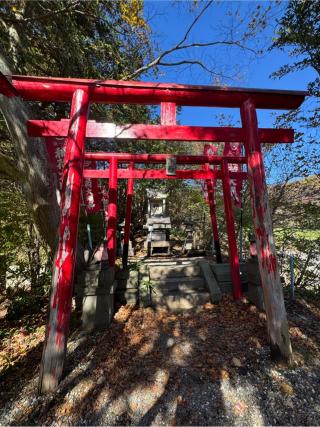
(206, 368)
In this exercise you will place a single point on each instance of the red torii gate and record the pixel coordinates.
(206, 174)
(80, 92)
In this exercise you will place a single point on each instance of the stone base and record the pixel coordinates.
(127, 284)
(181, 301)
(96, 288)
(255, 295)
(99, 275)
(210, 281)
(97, 311)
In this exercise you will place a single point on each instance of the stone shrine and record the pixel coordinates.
(158, 224)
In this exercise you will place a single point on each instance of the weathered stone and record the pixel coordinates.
(130, 296)
(210, 281)
(181, 301)
(223, 272)
(255, 295)
(97, 311)
(145, 291)
(253, 273)
(95, 276)
(160, 272)
(183, 284)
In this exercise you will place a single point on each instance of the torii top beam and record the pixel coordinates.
(131, 92)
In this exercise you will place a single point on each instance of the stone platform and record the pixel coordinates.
(183, 283)
(176, 284)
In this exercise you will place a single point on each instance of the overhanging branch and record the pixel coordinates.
(158, 61)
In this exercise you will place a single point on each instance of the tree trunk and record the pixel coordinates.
(32, 164)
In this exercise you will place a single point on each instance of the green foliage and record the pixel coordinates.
(297, 233)
(72, 39)
(96, 39)
(298, 34)
(299, 29)
(20, 245)
(23, 303)
(304, 246)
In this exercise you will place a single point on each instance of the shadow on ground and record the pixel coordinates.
(209, 367)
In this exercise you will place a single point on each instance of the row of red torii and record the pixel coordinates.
(77, 128)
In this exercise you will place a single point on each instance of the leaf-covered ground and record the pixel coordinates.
(209, 367)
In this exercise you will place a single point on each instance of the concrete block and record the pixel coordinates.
(97, 311)
(225, 287)
(181, 301)
(160, 272)
(145, 292)
(223, 272)
(210, 281)
(131, 282)
(95, 276)
(130, 296)
(253, 273)
(183, 284)
(255, 295)
(157, 290)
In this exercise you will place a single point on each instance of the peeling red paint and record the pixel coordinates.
(112, 212)
(259, 197)
(233, 252)
(60, 306)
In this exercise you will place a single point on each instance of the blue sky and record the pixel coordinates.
(169, 20)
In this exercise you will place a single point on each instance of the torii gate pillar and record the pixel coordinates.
(268, 266)
(126, 237)
(53, 356)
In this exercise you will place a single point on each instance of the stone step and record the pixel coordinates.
(179, 284)
(180, 300)
(183, 284)
(226, 287)
(162, 272)
(172, 261)
(222, 272)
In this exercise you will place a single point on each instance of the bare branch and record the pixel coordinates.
(188, 62)
(216, 43)
(194, 23)
(158, 61)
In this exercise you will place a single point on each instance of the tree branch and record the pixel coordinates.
(190, 62)
(181, 46)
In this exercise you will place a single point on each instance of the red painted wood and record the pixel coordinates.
(213, 214)
(232, 241)
(64, 261)
(161, 174)
(161, 158)
(168, 113)
(50, 128)
(131, 92)
(112, 212)
(267, 259)
(128, 218)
